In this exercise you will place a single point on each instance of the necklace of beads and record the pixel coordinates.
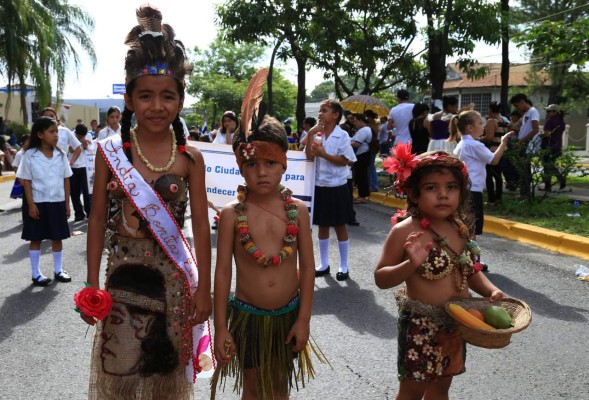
(149, 165)
(439, 264)
(292, 228)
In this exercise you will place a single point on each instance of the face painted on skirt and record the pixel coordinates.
(123, 330)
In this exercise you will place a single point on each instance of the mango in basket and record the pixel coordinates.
(476, 313)
(467, 318)
(497, 317)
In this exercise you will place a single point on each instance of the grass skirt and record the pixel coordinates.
(259, 337)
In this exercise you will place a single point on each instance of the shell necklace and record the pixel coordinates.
(292, 228)
(440, 264)
(149, 165)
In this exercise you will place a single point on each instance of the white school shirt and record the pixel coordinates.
(107, 131)
(221, 138)
(67, 139)
(328, 174)
(476, 156)
(17, 158)
(362, 136)
(46, 174)
(81, 161)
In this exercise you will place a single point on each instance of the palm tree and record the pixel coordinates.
(37, 41)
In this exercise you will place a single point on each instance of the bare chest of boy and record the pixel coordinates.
(272, 286)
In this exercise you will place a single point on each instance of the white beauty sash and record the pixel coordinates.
(166, 232)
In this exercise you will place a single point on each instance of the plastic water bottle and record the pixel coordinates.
(318, 140)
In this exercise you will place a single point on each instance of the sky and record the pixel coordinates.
(194, 24)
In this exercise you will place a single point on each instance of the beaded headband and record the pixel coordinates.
(260, 149)
(403, 163)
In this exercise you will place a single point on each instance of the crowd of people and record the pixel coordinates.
(148, 173)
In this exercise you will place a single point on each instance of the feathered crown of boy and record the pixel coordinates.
(153, 49)
(252, 115)
(403, 164)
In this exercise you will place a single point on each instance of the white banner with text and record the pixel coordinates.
(222, 175)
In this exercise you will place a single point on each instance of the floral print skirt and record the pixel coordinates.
(427, 350)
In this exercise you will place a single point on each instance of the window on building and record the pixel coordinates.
(481, 101)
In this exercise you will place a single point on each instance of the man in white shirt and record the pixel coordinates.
(399, 117)
(530, 127)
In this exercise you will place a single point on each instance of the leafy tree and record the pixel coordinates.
(221, 75)
(453, 27)
(37, 42)
(322, 91)
(558, 43)
(272, 23)
(369, 42)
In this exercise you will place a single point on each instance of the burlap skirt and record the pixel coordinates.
(141, 349)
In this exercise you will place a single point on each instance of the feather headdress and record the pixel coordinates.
(251, 112)
(153, 48)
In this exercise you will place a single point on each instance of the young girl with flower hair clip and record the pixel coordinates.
(156, 339)
(429, 249)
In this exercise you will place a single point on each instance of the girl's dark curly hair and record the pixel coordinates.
(152, 46)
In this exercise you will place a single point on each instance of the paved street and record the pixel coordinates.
(44, 349)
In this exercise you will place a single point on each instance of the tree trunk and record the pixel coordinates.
(505, 57)
(301, 92)
(437, 65)
(23, 101)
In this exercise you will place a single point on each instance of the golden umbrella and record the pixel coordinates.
(359, 103)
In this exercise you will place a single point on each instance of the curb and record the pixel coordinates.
(563, 243)
(7, 178)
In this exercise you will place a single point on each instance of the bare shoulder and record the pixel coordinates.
(194, 151)
(405, 227)
(301, 206)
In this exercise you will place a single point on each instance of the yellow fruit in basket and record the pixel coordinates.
(497, 317)
(467, 318)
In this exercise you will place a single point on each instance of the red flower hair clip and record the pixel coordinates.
(127, 145)
(181, 148)
(401, 163)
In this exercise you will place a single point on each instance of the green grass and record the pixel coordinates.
(554, 213)
(550, 213)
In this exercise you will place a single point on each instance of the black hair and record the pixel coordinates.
(370, 114)
(81, 129)
(449, 101)
(495, 106)
(418, 109)
(158, 355)
(40, 125)
(310, 120)
(153, 43)
(270, 130)
(231, 115)
(335, 107)
(361, 117)
(518, 97)
(112, 109)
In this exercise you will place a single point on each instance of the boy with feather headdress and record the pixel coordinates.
(262, 334)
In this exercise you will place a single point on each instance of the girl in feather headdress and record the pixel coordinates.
(155, 340)
(262, 334)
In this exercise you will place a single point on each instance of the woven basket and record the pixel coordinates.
(520, 313)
